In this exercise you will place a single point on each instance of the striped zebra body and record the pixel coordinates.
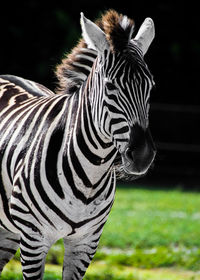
(58, 151)
(46, 190)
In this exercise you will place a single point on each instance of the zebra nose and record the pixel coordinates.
(140, 152)
(139, 160)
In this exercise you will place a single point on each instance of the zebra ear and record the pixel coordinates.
(145, 35)
(94, 37)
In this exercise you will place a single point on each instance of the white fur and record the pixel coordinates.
(145, 35)
(94, 37)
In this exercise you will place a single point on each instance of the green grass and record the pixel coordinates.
(155, 231)
(103, 271)
(150, 218)
(12, 271)
(153, 228)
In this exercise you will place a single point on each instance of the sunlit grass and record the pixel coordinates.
(143, 218)
(13, 271)
(103, 271)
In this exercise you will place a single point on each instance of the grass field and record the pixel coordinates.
(150, 234)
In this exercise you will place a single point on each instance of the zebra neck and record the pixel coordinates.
(85, 148)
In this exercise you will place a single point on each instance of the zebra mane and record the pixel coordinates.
(118, 29)
(75, 68)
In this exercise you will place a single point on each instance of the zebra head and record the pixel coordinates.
(122, 84)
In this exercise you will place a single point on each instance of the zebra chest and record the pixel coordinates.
(73, 213)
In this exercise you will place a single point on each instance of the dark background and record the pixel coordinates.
(34, 36)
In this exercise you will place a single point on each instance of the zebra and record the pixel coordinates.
(58, 151)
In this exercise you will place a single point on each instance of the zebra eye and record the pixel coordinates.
(110, 86)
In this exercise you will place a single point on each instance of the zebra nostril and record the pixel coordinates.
(129, 154)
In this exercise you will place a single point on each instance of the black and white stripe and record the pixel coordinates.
(47, 192)
(58, 152)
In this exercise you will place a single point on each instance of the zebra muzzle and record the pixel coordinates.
(139, 153)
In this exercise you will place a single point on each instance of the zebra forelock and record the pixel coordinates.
(118, 29)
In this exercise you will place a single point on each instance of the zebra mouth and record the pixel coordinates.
(130, 168)
(125, 169)
(134, 164)
(138, 154)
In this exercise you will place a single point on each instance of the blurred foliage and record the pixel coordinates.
(153, 258)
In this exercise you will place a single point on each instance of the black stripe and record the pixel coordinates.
(111, 155)
(25, 223)
(36, 277)
(51, 161)
(110, 190)
(24, 127)
(26, 85)
(8, 250)
(76, 276)
(80, 271)
(121, 130)
(21, 199)
(115, 121)
(26, 235)
(33, 200)
(44, 196)
(81, 69)
(18, 209)
(78, 168)
(4, 200)
(32, 270)
(69, 177)
(92, 158)
(100, 191)
(86, 126)
(31, 255)
(29, 262)
(112, 108)
(13, 240)
(25, 244)
(80, 224)
(84, 263)
(88, 53)
(99, 140)
(2, 225)
(99, 228)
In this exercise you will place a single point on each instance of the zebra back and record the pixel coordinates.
(28, 86)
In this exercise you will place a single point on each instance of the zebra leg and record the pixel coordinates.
(78, 255)
(34, 237)
(33, 254)
(9, 243)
